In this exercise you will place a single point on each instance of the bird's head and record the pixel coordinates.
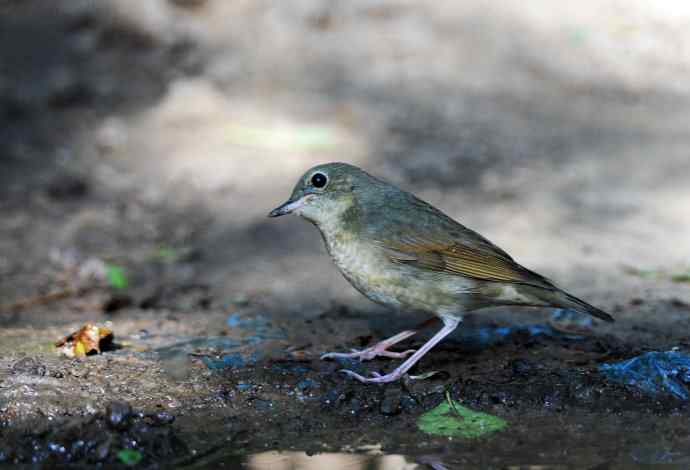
(323, 193)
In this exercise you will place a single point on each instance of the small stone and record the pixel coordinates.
(118, 413)
(522, 367)
(66, 187)
(263, 405)
(29, 366)
(408, 403)
(355, 406)
(117, 302)
(161, 418)
(390, 405)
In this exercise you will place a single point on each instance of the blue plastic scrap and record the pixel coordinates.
(235, 320)
(653, 372)
(489, 335)
(233, 360)
(259, 325)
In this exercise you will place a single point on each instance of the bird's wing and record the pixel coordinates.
(467, 254)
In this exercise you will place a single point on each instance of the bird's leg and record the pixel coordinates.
(449, 325)
(381, 348)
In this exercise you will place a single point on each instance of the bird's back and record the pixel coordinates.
(460, 262)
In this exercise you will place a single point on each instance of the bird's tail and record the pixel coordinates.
(570, 301)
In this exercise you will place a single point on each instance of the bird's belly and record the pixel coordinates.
(365, 272)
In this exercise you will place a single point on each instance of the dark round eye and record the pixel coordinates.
(319, 180)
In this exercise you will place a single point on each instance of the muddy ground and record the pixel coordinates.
(155, 139)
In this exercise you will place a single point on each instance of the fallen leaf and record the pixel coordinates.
(89, 339)
(454, 420)
(129, 456)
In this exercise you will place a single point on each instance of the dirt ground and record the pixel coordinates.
(154, 137)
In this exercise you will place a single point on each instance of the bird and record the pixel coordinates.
(403, 253)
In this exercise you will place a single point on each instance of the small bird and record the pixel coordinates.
(403, 253)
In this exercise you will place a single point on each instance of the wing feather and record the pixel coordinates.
(468, 255)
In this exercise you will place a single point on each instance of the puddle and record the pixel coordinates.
(294, 460)
(248, 340)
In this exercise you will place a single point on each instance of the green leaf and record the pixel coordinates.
(681, 277)
(116, 276)
(166, 254)
(129, 456)
(454, 420)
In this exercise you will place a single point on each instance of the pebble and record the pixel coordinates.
(118, 413)
(390, 404)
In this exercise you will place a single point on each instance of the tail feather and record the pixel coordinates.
(577, 304)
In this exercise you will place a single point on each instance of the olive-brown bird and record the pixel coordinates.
(401, 252)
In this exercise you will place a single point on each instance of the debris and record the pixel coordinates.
(654, 373)
(89, 339)
(454, 420)
(67, 187)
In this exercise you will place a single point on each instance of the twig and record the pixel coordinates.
(42, 299)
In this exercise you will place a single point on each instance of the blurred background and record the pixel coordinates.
(143, 142)
(153, 138)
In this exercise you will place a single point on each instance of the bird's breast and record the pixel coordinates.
(367, 268)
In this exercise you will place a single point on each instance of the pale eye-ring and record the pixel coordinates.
(319, 180)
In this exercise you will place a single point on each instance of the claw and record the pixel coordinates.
(354, 375)
(368, 354)
(335, 355)
(377, 378)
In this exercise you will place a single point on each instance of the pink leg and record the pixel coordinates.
(449, 325)
(381, 348)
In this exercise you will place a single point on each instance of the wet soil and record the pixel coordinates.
(220, 395)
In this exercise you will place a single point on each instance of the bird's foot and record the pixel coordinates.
(370, 353)
(382, 379)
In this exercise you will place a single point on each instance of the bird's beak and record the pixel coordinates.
(287, 207)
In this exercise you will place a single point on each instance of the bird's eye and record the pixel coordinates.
(319, 180)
